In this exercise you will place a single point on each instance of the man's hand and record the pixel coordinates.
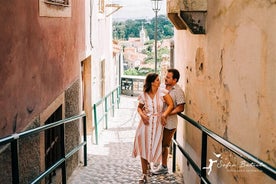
(163, 120)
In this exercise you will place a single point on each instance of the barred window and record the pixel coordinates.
(58, 2)
(55, 8)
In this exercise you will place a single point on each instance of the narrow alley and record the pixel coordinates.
(110, 161)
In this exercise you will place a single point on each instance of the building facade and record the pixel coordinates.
(105, 65)
(224, 51)
(57, 61)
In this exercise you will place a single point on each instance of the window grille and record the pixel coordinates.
(58, 2)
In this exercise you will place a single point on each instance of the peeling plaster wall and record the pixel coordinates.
(229, 79)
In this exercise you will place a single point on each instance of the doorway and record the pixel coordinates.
(53, 138)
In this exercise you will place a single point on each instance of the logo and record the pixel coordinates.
(231, 164)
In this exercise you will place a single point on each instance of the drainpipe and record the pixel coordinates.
(91, 12)
(172, 54)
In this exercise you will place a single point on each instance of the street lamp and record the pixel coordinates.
(156, 5)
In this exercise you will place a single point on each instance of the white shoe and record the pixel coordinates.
(161, 170)
(155, 166)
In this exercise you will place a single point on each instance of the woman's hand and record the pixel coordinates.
(144, 118)
(143, 114)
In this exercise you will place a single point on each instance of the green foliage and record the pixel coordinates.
(131, 71)
(161, 52)
(148, 50)
(138, 71)
(122, 30)
(119, 31)
(144, 71)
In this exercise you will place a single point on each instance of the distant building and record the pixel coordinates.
(133, 47)
(165, 43)
(143, 36)
(132, 57)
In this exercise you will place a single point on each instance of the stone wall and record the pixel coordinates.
(5, 166)
(28, 158)
(72, 130)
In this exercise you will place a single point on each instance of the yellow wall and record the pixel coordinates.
(229, 79)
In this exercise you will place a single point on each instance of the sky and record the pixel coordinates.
(133, 9)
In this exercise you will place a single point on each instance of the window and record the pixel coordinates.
(55, 8)
(57, 2)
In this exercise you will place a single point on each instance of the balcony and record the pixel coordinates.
(188, 14)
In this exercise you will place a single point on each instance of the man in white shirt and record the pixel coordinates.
(178, 97)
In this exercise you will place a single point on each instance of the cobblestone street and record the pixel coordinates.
(110, 161)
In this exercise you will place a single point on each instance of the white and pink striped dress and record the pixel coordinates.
(148, 138)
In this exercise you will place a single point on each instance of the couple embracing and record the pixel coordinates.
(158, 107)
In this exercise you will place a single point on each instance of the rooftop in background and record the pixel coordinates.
(132, 9)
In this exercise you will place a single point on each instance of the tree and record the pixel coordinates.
(122, 30)
(131, 28)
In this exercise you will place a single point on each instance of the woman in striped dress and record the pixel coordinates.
(148, 138)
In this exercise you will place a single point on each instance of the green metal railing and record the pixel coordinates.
(252, 160)
(107, 103)
(14, 141)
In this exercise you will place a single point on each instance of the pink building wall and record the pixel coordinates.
(40, 58)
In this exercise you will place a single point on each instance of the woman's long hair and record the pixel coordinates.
(149, 79)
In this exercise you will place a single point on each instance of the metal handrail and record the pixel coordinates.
(254, 161)
(13, 140)
(107, 108)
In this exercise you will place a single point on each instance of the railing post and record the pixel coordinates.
(203, 155)
(174, 154)
(113, 104)
(106, 112)
(14, 154)
(96, 123)
(63, 165)
(118, 97)
(85, 141)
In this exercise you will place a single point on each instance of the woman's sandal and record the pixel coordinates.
(149, 170)
(144, 179)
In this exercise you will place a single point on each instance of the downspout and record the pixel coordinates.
(172, 54)
(91, 13)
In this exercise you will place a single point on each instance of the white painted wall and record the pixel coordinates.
(102, 50)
